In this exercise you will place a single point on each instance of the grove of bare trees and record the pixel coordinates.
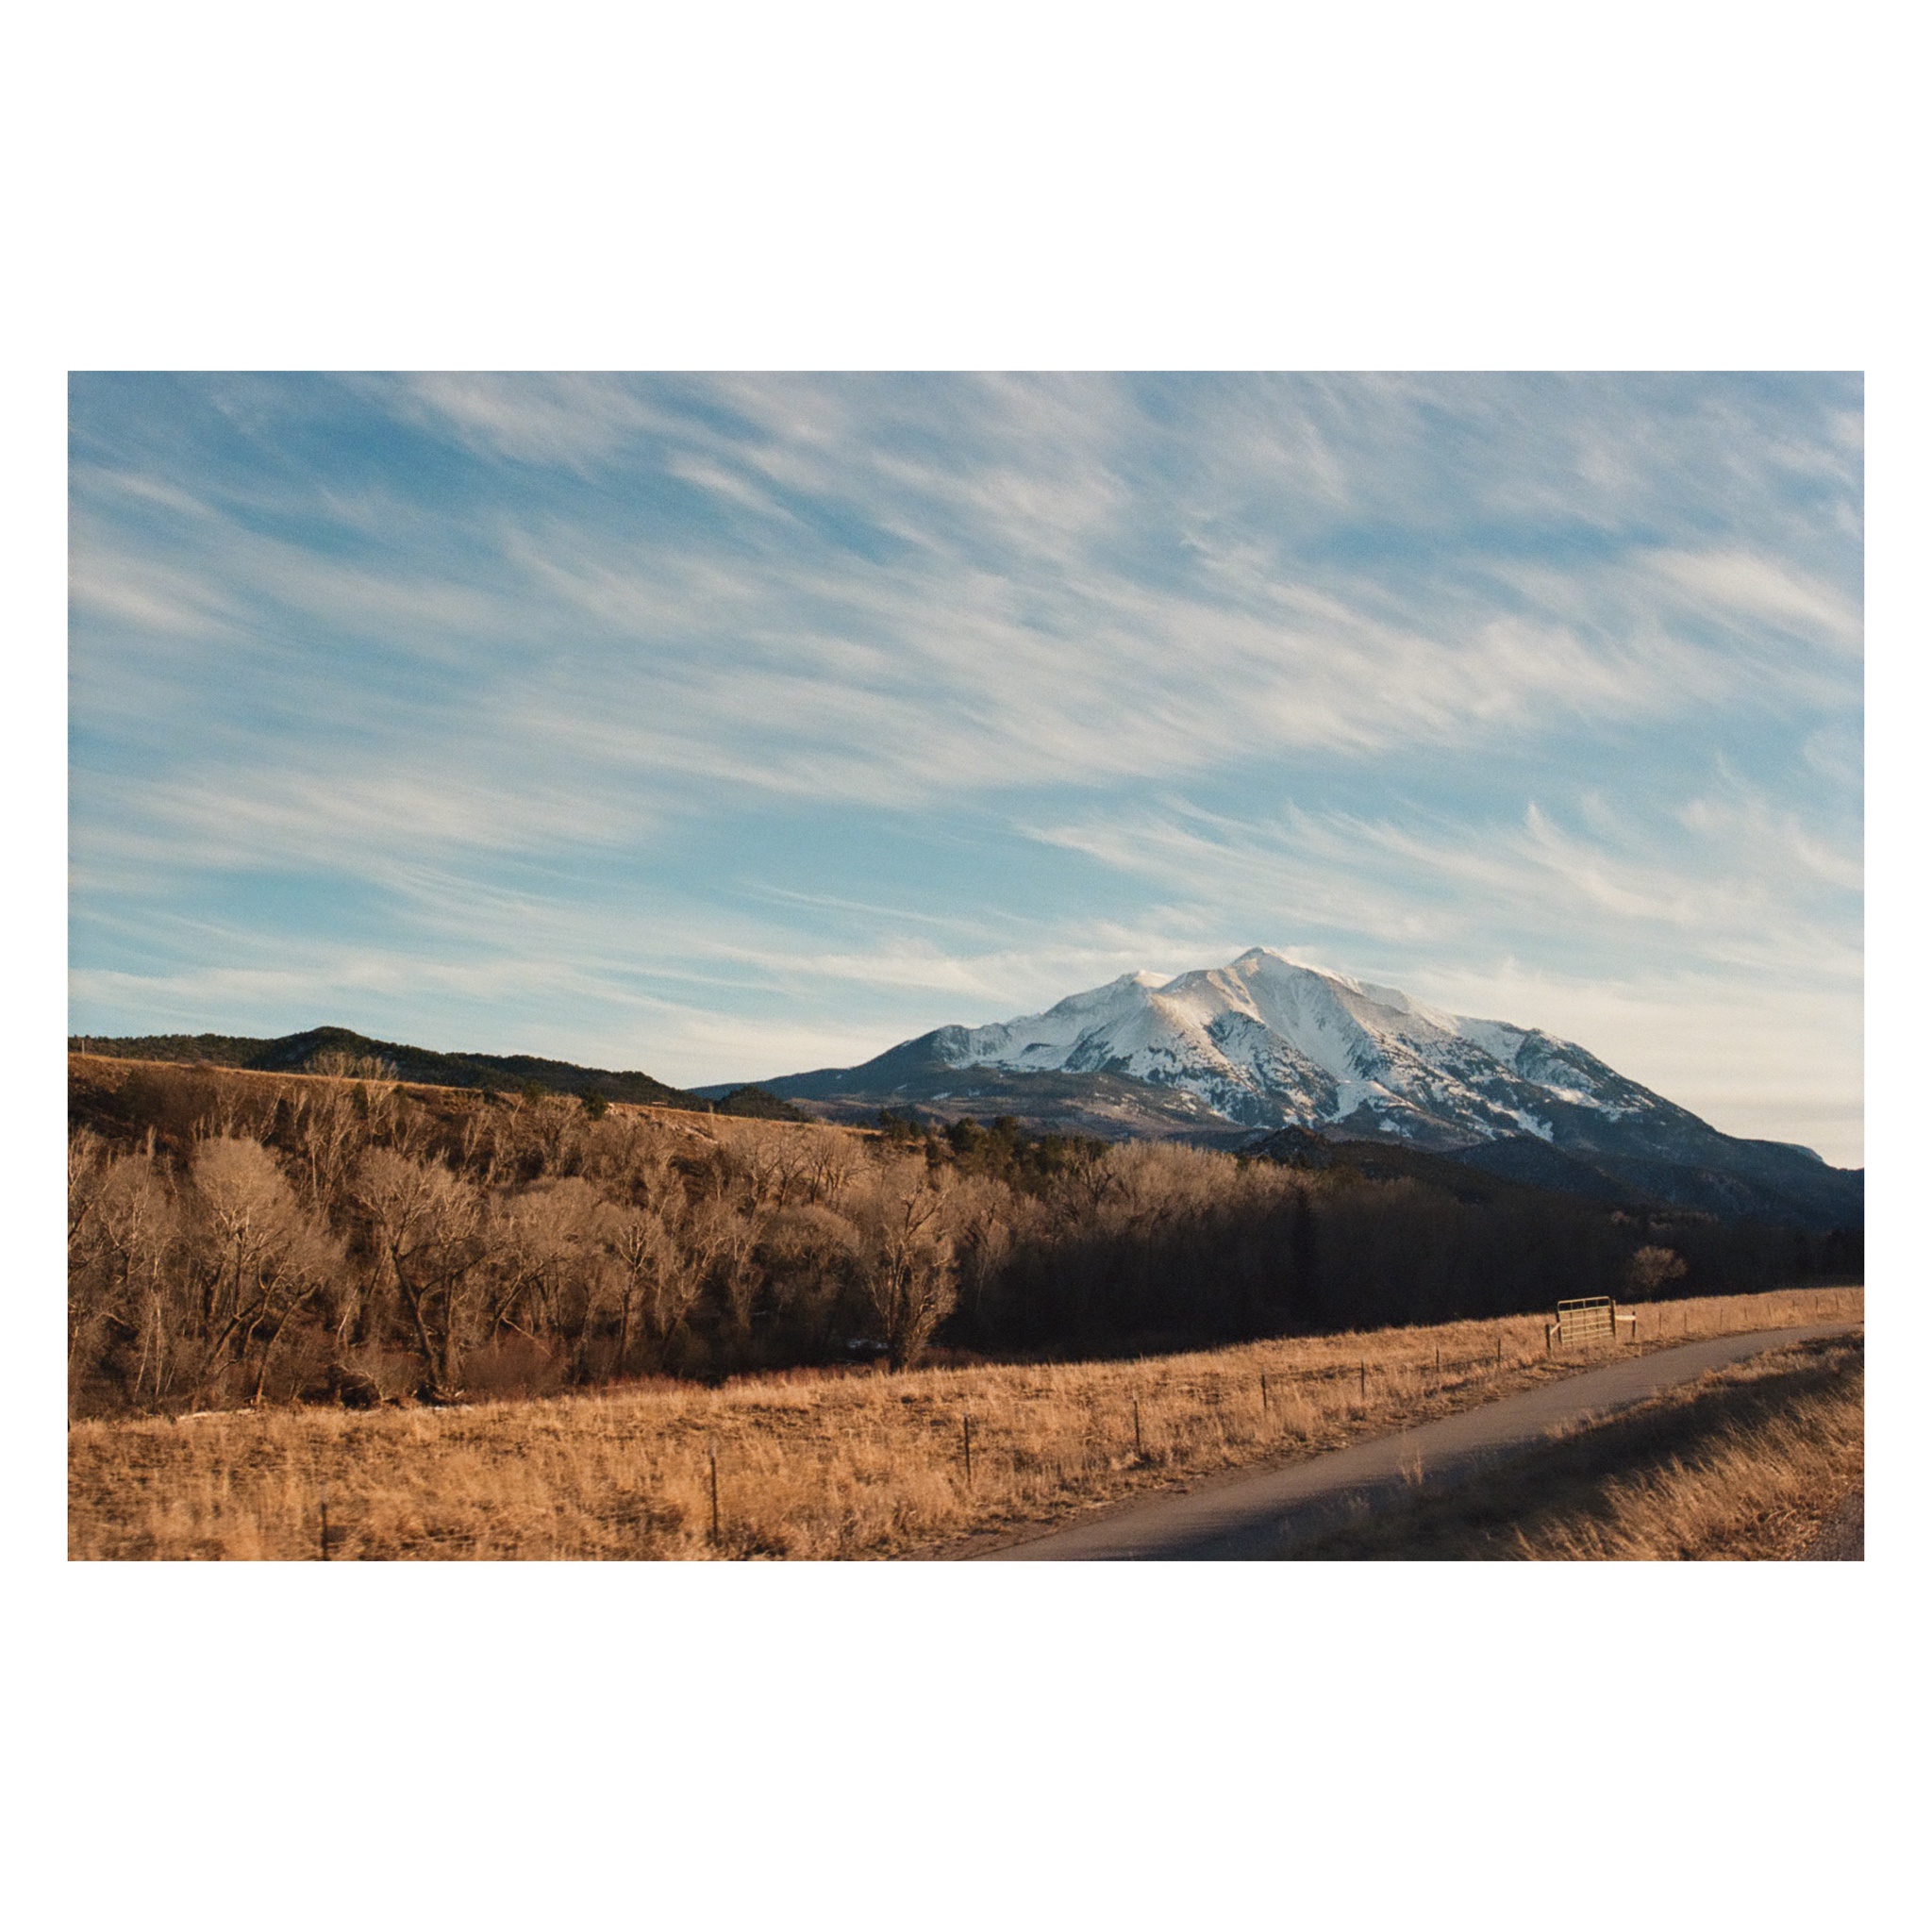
(238, 1238)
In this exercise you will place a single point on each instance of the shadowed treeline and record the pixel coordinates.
(247, 1237)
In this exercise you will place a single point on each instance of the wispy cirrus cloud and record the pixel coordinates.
(1721, 878)
(999, 679)
(1032, 631)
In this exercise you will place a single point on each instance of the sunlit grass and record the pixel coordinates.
(807, 1466)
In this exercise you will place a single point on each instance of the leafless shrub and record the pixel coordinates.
(1651, 1268)
(391, 1374)
(334, 1064)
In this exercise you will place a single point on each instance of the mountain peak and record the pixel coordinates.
(1268, 1042)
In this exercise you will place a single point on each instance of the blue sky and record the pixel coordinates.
(725, 727)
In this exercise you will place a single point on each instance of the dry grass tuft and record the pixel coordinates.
(833, 1466)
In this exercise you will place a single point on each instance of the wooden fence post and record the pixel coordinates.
(1136, 1429)
(966, 1423)
(1365, 1382)
(713, 1453)
(1264, 1391)
(325, 1523)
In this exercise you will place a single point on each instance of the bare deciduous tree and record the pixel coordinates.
(88, 1283)
(829, 1160)
(138, 1221)
(809, 1255)
(424, 1222)
(717, 1245)
(272, 1257)
(325, 1127)
(653, 1288)
(906, 1256)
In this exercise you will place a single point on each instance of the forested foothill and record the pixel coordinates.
(319, 1048)
(237, 1237)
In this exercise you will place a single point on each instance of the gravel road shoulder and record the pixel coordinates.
(1841, 1538)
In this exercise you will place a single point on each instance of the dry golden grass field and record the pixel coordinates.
(807, 1466)
(1748, 1463)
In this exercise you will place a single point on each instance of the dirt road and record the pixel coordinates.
(1249, 1517)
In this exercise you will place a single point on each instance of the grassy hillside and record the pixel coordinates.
(335, 1049)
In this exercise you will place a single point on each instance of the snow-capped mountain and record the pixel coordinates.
(1238, 1054)
(1267, 1042)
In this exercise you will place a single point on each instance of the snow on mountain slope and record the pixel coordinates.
(1263, 1043)
(1266, 1041)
